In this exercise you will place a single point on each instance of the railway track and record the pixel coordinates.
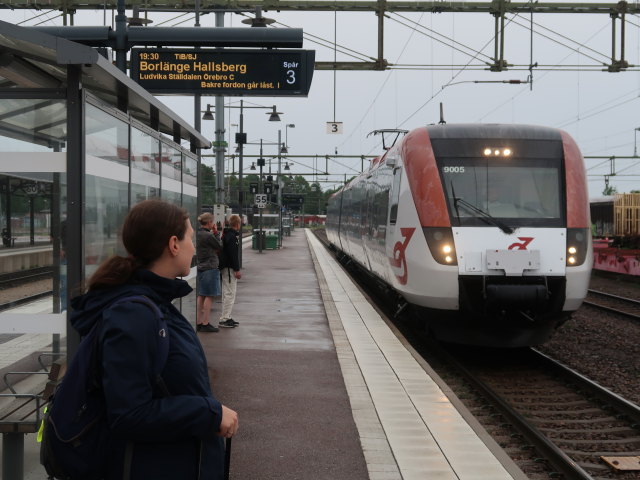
(626, 307)
(18, 278)
(570, 421)
(24, 300)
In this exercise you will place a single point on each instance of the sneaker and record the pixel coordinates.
(235, 324)
(207, 328)
(227, 323)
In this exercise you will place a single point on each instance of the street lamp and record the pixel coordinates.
(241, 140)
(286, 134)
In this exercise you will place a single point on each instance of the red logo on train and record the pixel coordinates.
(521, 246)
(399, 259)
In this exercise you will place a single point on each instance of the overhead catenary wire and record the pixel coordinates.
(524, 90)
(576, 50)
(38, 16)
(406, 44)
(435, 38)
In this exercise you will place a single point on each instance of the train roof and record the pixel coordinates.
(492, 130)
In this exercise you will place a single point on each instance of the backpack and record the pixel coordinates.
(75, 433)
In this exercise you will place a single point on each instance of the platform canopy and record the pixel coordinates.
(30, 59)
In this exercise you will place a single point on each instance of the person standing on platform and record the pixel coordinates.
(230, 270)
(208, 244)
(168, 426)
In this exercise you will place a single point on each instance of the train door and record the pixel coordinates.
(365, 225)
(394, 198)
(392, 218)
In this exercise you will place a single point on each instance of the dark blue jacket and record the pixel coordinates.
(174, 437)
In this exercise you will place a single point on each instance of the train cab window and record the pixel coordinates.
(521, 191)
(395, 196)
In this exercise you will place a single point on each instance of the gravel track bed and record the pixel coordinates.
(26, 290)
(600, 345)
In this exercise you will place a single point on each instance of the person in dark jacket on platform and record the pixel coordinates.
(180, 432)
(208, 244)
(230, 270)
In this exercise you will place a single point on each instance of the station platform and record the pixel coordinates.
(325, 389)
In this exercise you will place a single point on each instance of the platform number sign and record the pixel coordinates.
(261, 200)
(334, 128)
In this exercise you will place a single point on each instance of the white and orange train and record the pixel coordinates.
(483, 229)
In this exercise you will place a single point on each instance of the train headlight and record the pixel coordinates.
(577, 244)
(497, 152)
(441, 246)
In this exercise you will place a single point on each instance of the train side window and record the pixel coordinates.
(395, 196)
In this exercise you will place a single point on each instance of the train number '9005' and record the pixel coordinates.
(453, 169)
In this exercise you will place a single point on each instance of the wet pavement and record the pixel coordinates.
(280, 372)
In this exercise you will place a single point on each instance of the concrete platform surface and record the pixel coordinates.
(280, 372)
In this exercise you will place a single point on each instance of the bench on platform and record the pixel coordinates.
(23, 414)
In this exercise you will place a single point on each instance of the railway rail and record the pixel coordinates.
(626, 307)
(17, 278)
(24, 300)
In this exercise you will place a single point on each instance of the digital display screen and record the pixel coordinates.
(224, 72)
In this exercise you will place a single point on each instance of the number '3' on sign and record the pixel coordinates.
(334, 127)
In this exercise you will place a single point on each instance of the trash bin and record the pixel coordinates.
(258, 242)
(271, 242)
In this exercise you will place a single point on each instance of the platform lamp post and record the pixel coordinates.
(260, 164)
(241, 140)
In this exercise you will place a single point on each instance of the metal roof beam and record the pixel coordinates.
(320, 5)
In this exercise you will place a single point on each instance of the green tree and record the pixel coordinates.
(207, 185)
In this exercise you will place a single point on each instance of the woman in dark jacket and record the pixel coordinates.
(177, 432)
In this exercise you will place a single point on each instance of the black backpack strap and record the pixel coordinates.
(162, 353)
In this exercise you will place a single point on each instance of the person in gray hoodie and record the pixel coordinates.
(208, 244)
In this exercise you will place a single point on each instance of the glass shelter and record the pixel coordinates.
(80, 143)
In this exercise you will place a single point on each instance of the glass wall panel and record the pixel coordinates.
(173, 197)
(32, 198)
(145, 166)
(188, 303)
(32, 246)
(32, 125)
(171, 160)
(106, 208)
(190, 170)
(107, 137)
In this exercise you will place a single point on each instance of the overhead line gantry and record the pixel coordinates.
(497, 8)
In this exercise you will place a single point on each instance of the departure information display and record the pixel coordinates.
(224, 72)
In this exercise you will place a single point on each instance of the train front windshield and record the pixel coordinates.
(516, 191)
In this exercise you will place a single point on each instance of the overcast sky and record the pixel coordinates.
(599, 109)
